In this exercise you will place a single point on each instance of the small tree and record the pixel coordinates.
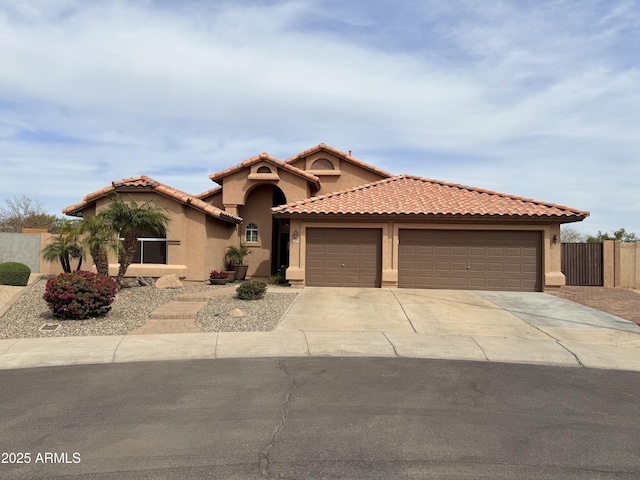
(24, 212)
(100, 238)
(569, 234)
(621, 235)
(129, 220)
(65, 247)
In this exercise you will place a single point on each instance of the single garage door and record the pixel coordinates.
(478, 260)
(343, 257)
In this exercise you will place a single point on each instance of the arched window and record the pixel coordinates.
(263, 169)
(251, 233)
(322, 164)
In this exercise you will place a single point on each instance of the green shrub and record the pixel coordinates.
(80, 295)
(280, 278)
(251, 290)
(14, 273)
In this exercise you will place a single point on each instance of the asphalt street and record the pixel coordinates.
(319, 418)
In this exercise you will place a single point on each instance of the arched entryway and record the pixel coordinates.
(280, 237)
(267, 237)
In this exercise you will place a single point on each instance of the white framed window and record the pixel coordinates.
(251, 233)
(152, 248)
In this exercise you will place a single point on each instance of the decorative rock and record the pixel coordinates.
(145, 281)
(237, 313)
(168, 281)
(130, 283)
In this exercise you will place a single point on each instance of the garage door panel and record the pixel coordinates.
(494, 260)
(495, 267)
(316, 263)
(343, 257)
(442, 266)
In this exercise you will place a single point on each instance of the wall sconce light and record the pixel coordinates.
(295, 234)
(556, 238)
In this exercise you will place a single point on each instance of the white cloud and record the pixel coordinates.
(530, 99)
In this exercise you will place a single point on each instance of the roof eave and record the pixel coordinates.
(433, 216)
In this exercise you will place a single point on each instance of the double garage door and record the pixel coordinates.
(448, 259)
(470, 260)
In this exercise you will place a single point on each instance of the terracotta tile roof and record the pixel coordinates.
(145, 183)
(216, 177)
(415, 196)
(341, 154)
(208, 193)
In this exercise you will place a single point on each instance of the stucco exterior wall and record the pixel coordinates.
(257, 209)
(237, 186)
(345, 175)
(621, 264)
(552, 277)
(190, 235)
(22, 248)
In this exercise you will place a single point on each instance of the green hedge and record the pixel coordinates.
(14, 273)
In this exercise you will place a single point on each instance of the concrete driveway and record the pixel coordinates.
(504, 315)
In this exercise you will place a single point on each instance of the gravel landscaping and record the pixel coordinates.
(261, 315)
(131, 310)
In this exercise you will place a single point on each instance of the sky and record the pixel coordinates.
(534, 98)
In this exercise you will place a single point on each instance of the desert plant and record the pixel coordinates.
(14, 273)
(80, 295)
(131, 219)
(65, 247)
(100, 238)
(251, 290)
(280, 278)
(237, 254)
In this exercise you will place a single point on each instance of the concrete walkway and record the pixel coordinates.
(179, 315)
(480, 326)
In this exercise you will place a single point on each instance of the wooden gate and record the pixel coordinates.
(582, 264)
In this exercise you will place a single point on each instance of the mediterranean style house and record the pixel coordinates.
(334, 220)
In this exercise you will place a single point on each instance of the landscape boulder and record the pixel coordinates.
(145, 281)
(129, 283)
(168, 281)
(237, 313)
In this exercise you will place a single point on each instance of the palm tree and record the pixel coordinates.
(65, 247)
(130, 220)
(100, 239)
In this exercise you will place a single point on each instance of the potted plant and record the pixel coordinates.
(237, 256)
(218, 277)
(229, 269)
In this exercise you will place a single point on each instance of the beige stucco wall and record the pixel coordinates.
(257, 209)
(621, 264)
(236, 187)
(350, 175)
(195, 240)
(552, 277)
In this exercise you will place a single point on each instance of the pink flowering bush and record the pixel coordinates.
(80, 295)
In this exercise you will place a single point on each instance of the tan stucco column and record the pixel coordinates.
(552, 252)
(389, 270)
(295, 272)
(608, 264)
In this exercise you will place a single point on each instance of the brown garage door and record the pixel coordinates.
(481, 260)
(343, 257)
